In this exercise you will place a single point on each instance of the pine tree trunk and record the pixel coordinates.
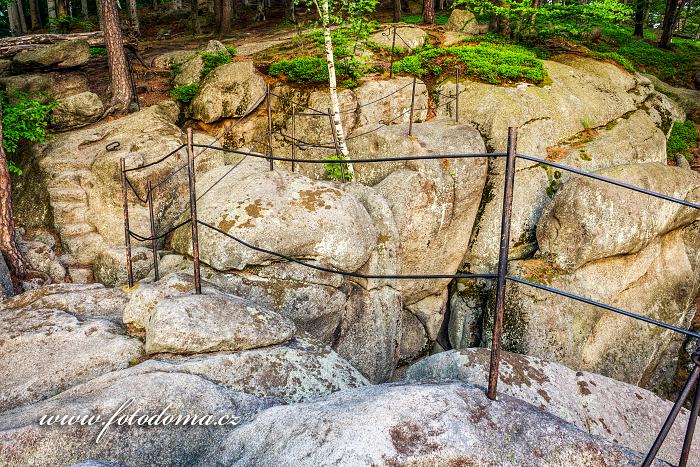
(34, 13)
(669, 23)
(8, 240)
(194, 17)
(84, 9)
(62, 7)
(397, 11)
(428, 11)
(12, 19)
(116, 59)
(639, 15)
(226, 17)
(20, 15)
(134, 18)
(217, 16)
(332, 83)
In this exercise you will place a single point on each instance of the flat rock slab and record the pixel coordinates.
(24, 442)
(46, 351)
(209, 323)
(421, 424)
(299, 370)
(627, 414)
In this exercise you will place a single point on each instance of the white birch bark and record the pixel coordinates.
(134, 18)
(332, 82)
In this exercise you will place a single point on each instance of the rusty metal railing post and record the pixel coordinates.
(337, 148)
(269, 127)
(663, 433)
(193, 212)
(457, 95)
(413, 106)
(391, 60)
(294, 136)
(127, 231)
(154, 242)
(502, 263)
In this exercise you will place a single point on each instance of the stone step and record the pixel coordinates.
(83, 249)
(66, 164)
(69, 213)
(67, 180)
(76, 195)
(73, 230)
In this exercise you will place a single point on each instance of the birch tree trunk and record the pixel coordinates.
(51, 5)
(8, 240)
(332, 83)
(134, 18)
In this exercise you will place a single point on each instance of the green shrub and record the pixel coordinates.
(185, 92)
(231, 50)
(338, 171)
(301, 70)
(98, 51)
(213, 60)
(684, 137)
(23, 119)
(493, 63)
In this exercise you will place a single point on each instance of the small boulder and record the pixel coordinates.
(77, 111)
(209, 323)
(64, 54)
(231, 90)
(110, 265)
(462, 21)
(407, 37)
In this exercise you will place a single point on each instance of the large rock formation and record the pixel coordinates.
(660, 281)
(284, 212)
(590, 219)
(625, 414)
(80, 179)
(593, 115)
(77, 111)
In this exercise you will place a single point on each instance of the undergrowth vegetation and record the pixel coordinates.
(490, 62)
(684, 137)
(185, 92)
